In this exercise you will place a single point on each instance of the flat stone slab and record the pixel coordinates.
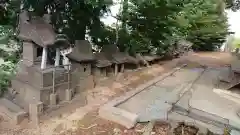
(235, 132)
(161, 97)
(182, 106)
(189, 89)
(119, 116)
(155, 111)
(12, 111)
(110, 111)
(206, 101)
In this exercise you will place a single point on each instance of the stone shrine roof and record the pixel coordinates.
(101, 60)
(37, 30)
(82, 52)
(114, 55)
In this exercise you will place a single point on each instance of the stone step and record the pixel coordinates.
(17, 99)
(12, 111)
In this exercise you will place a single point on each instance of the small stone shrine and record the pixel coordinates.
(102, 66)
(81, 59)
(38, 83)
(116, 57)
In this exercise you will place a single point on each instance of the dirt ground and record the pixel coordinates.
(81, 117)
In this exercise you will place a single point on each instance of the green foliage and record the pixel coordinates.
(9, 47)
(9, 10)
(233, 4)
(6, 73)
(159, 24)
(208, 25)
(73, 17)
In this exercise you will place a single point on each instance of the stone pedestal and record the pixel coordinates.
(53, 99)
(122, 68)
(115, 69)
(35, 110)
(68, 95)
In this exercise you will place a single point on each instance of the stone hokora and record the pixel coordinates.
(117, 58)
(39, 77)
(81, 58)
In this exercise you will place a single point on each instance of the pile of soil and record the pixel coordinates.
(161, 128)
(184, 129)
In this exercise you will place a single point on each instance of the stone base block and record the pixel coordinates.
(35, 110)
(53, 99)
(12, 111)
(68, 94)
(119, 116)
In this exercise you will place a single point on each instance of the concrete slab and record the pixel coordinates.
(205, 100)
(154, 100)
(182, 106)
(235, 132)
(155, 111)
(180, 77)
(158, 97)
(119, 116)
(110, 110)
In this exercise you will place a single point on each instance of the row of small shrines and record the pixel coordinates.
(46, 81)
(39, 38)
(108, 61)
(41, 78)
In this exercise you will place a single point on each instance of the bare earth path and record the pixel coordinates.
(77, 119)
